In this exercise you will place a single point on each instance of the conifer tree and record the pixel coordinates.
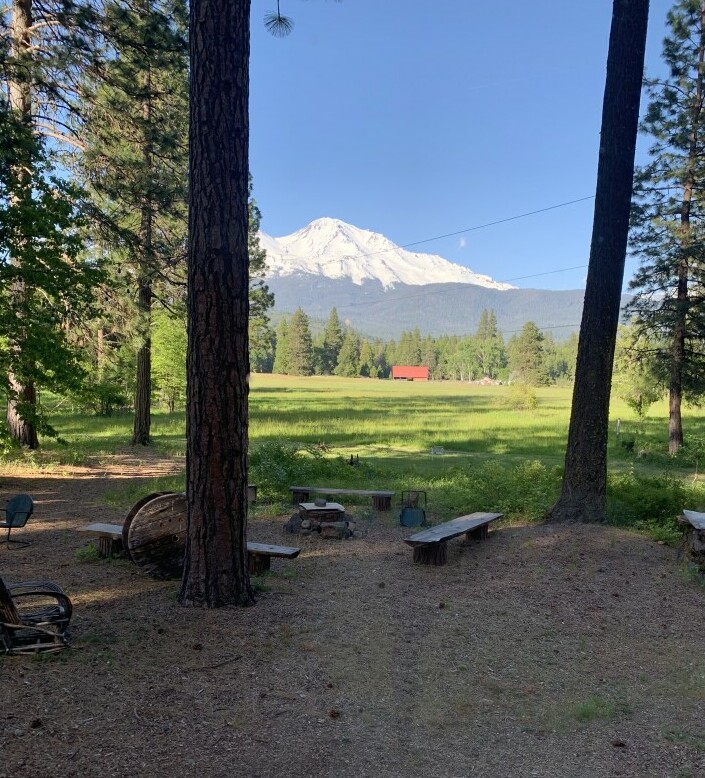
(299, 345)
(490, 345)
(349, 356)
(135, 162)
(281, 352)
(667, 217)
(261, 299)
(43, 48)
(584, 486)
(527, 359)
(46, 282)
(331, 343)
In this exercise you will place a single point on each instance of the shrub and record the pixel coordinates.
(522, 397)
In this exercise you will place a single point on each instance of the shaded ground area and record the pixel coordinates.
(547, 651)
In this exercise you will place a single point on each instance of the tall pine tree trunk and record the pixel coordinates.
(215, 567)
(143, 388)
(23, 397)
(583, 494)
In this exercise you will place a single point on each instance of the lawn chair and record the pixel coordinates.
(40, 625)
(17, 512)
(412, 514)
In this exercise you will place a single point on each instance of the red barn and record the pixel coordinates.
(408, 373)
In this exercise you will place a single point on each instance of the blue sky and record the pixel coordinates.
(417, 119)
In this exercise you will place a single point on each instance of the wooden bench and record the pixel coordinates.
(430, 546)
(260, 555)
(109, 537)
(381, 500)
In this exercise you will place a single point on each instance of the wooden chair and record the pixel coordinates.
(34, 617)
(17, 512)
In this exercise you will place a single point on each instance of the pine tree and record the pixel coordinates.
(261, 299)
(491, 355)
(46, 282)
(668, 213)
(527, 359)
(217, 421)
(349, 356)
(584, 486)
(43, 48)
(281, 352)
(299, 345)
(135, 161)
(331, 344)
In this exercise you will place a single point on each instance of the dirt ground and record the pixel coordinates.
(543, 651)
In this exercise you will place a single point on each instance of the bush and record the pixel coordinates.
(651, 503)
(522, 397)
(275, 466)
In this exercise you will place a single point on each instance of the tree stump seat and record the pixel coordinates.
(694, 539)
(430, 546)
(109, 538)
(381, 499)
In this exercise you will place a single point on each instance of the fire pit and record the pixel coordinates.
(328, 519)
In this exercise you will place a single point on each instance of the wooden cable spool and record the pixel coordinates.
(154, 534)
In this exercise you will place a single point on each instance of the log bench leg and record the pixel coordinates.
(109, 547)
(297, 497)
(259, 563)
(431, 554)
(382, 503)
(481, 533)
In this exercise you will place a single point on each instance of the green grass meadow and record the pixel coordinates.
(495, 455)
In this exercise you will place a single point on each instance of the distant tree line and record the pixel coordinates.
(530, 356)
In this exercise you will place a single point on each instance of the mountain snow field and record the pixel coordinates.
(332, 248)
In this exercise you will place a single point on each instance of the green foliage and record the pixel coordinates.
(636, 376)
(667, 214)
(169, 356)
(47, 285)
(599, 707)
(349, 356)
(527, 357)
(331, 344)
(101, 397)
(299, 345)
(261, 335)
(277, 465)
(88, 553)
(521, 397)
(650, 503)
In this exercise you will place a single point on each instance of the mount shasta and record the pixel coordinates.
(382, 289)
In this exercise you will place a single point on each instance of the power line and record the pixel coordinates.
(492, 224)
(546, 273)
(474, 229)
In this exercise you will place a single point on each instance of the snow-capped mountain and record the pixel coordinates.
(332, 248)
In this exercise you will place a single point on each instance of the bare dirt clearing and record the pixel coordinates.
(546, 650)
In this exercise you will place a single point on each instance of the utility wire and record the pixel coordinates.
(492, 224)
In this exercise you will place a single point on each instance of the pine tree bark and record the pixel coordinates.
(215, 567)
(583, 494)
(20, 427)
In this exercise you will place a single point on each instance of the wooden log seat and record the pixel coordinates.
(109, 538)
(260, 555)
(381, 499)
(430, 546)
